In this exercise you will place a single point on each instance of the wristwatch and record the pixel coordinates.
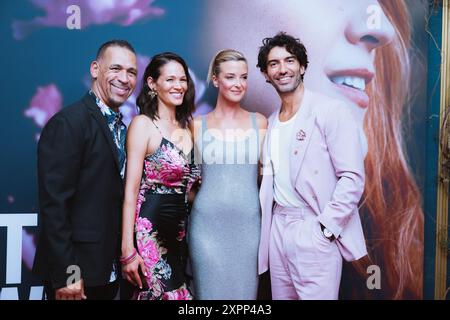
(327, 233)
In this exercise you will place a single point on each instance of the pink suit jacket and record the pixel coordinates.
(327, 169)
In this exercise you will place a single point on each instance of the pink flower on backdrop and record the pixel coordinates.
(45, 103)
(121, 12)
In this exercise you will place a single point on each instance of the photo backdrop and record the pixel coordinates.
(47, 47)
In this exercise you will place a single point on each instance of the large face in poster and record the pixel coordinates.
(367, 53)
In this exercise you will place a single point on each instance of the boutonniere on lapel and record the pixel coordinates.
(301, 135)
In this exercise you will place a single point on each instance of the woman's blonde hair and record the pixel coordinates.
(220, 57)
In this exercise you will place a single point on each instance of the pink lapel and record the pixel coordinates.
(267, 141)
(266, 199)
(266, 192)
(303, 129)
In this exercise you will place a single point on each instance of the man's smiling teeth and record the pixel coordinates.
(123, 89)
(354, 82)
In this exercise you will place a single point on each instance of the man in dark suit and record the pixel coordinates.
(81, 163)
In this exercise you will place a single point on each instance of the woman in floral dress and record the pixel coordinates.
(160, 173)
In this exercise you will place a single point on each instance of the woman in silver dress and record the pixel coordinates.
(224, 225)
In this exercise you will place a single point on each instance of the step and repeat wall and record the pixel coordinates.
(47, 47)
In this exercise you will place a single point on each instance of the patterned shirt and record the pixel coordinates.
(119, 131)
(117, 128)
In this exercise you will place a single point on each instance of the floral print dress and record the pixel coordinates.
(160, 222)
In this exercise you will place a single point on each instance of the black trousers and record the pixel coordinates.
(106, 292)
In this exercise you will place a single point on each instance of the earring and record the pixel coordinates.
(152, 93)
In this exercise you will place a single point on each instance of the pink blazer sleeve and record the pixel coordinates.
(346, 154)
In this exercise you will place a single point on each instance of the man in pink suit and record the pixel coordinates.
(313, 179)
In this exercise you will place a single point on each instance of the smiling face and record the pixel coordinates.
(284, 71)
(171, 84)
(114, 75)
(232, 80)
(337, 34)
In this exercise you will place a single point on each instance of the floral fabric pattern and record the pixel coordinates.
(117, 128)
(152, 253)
(167, 172)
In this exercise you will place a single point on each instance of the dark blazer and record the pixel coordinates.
(80, 196)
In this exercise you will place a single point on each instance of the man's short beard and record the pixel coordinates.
(297, 83)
